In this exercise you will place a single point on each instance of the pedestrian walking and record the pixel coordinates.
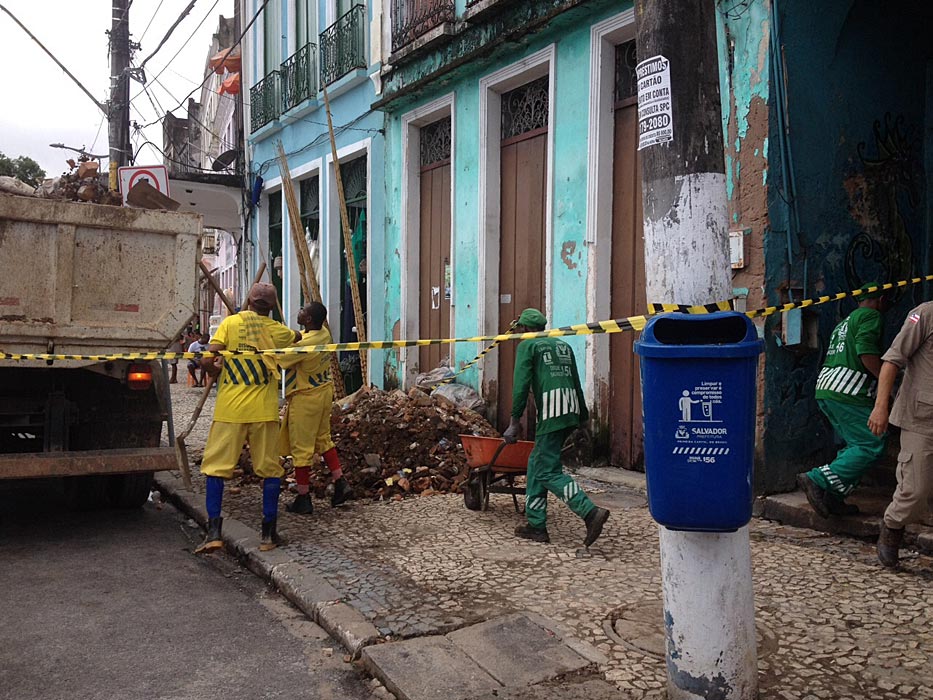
(309, 390)
(845, 393)
(547, 368)
(247, 409)
(911, 351)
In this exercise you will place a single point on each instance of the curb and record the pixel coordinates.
(309, 592)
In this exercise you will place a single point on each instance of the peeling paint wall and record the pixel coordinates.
(570, 33)
(853, 150)
(744, 42)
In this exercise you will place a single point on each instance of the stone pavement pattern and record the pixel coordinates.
(831, 622)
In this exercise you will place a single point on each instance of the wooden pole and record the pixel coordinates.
(216, 287)
(348, 247)
(309, 282)
(256, 280)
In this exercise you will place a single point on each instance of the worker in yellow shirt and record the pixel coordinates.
(247, 409)
(305, 431)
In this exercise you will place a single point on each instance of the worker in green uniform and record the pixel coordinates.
(547, 367)
(845, 393)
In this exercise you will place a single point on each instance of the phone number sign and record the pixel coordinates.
(655, 115)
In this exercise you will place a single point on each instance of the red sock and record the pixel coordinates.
(333, 463)
(303, 478)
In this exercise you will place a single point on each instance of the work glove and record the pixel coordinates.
(512, 433)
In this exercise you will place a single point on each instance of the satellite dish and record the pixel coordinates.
(225, 160)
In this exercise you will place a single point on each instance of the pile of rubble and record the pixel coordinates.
(392, 444)
(82, 183)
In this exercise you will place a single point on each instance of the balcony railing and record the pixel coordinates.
(299, 77)
(265, 102)
(413, 18)
(343, 45)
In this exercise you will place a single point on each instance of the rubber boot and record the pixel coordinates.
(889, 544)
(837, 506)
(212, 540)
(342, 492)
(301, 505)
(527, 532)
(816, 496)
(594, 524)
(270, 537)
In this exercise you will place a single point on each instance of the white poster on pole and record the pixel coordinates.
(655, 115)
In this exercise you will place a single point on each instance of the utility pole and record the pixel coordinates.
(706, 578)
(119, 112)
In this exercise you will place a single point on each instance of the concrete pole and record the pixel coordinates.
(119, 114)
(706, 579)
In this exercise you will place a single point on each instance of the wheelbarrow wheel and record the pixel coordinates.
(484, 480)
(472, 495)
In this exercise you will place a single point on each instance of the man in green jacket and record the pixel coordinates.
(845, 393)
(547, 367)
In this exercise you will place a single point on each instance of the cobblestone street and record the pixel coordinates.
(831, 622)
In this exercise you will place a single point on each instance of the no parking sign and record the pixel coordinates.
(155, 175)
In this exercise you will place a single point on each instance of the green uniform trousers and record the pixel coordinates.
(545, 473)
(861, 451)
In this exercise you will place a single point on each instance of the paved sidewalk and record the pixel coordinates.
(831, 622)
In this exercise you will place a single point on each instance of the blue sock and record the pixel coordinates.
(270, 498)
(215, 496)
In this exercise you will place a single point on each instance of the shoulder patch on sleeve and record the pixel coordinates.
(914, 318)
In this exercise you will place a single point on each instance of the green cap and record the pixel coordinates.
(870, 295)
(532, 318)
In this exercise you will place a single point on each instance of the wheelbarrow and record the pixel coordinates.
(493, 464)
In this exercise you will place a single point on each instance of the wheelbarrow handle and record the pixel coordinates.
(498, 451)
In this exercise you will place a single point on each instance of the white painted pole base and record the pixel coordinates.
(709, 615)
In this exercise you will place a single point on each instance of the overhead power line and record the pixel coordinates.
(221, 65)
(209, 12)
(154, 14)
(100, 105)
(184, 13)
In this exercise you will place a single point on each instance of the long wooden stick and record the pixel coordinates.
(256, 280)
(348, 247)
(307, 275)
(181, 448)
(216, 286)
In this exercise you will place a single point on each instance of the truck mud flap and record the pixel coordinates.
(35, 465)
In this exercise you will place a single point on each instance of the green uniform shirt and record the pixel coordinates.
(548, 368)
(843, 376)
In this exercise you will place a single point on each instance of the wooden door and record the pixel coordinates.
(435, 272)
(628, 283)
(523, 171)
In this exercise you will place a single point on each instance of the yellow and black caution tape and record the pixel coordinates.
(618, 325)
(485, 351)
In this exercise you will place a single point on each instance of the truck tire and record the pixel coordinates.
(85, 492)
(130, 490)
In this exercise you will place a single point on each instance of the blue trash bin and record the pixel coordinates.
(698, 386)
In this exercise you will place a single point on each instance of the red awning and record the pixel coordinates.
(231, 64)
(231, 85)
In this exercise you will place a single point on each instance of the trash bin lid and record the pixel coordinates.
(719, 334)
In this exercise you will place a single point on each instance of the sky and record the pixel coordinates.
(41, 104)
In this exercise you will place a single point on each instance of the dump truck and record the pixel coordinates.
(88, 279)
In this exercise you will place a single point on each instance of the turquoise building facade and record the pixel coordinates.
(295, 50)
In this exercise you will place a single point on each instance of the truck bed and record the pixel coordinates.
(88, 279)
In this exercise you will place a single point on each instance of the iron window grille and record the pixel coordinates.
(299, 77)
(264, 101)
(343, 44)
(626, 82)
(435, 142)
(413, 18)
(525, 108)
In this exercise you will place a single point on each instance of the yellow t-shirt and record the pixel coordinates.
(248, 390)
(307, 370)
